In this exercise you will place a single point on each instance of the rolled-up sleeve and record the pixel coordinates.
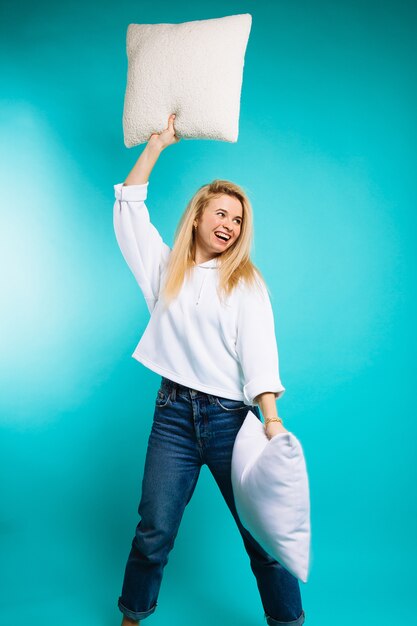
(256, 345)
(140, 243)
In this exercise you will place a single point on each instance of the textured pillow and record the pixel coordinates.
(271, 491)
(193, 69)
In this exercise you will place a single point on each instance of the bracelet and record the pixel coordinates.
(272, 419)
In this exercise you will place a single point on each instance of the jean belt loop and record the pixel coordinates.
(173, 391)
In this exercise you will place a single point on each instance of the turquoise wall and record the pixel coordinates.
(327, 153)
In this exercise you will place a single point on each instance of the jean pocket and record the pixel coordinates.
(162, 397)
(226, 404)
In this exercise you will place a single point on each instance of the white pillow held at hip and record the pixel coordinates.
(271, 491)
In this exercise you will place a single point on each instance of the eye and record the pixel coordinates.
(237, 219)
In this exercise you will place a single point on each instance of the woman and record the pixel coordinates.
(211, 338)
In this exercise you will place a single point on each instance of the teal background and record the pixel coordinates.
(327, 153)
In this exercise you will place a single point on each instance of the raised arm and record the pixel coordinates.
(140, 243)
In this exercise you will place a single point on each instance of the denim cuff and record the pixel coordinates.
(296, 622)
(136, 615)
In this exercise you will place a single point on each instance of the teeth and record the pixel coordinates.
(223, 236)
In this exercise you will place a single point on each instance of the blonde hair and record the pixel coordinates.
(235, 265)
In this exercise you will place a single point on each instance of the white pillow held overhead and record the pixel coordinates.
(271, 491)
(193, 69)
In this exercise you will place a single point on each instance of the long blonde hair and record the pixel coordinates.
(235, 264)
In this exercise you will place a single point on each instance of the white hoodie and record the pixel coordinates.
(225, 349)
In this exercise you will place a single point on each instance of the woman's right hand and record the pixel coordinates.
(166, 137)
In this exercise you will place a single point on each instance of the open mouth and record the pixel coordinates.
(222, 236)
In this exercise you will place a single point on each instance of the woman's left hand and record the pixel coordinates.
(274, 428)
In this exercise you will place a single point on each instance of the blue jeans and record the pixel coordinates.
(191, 428)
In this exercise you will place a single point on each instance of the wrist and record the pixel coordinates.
(272, 420)
(154, 146)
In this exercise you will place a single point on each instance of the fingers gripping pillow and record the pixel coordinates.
(193, 69)
(271, 491)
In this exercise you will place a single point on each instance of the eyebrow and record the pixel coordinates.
(226, 211)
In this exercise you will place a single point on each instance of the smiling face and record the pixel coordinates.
(222, 215)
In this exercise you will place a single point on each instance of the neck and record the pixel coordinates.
(202, 259)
